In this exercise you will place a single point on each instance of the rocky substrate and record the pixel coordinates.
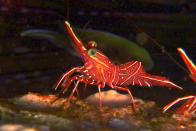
(37, 112)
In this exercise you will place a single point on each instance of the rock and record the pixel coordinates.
(86, 125)
(39, 120)
(19, 127)
(117, 123)
(33, 100)
(54, 121)
(167, 127)
(34, 110)
(111, 98)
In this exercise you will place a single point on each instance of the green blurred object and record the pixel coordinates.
(54, 37)
(115, 47)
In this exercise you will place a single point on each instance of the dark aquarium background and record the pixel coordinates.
(34, 62)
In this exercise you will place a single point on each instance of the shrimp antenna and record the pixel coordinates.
(163, 50)
(130, 21)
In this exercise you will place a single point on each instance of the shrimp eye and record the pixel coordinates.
(92, 52)
(92, 44)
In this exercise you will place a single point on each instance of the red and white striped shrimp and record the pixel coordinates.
(188, 109)
(99, 70)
